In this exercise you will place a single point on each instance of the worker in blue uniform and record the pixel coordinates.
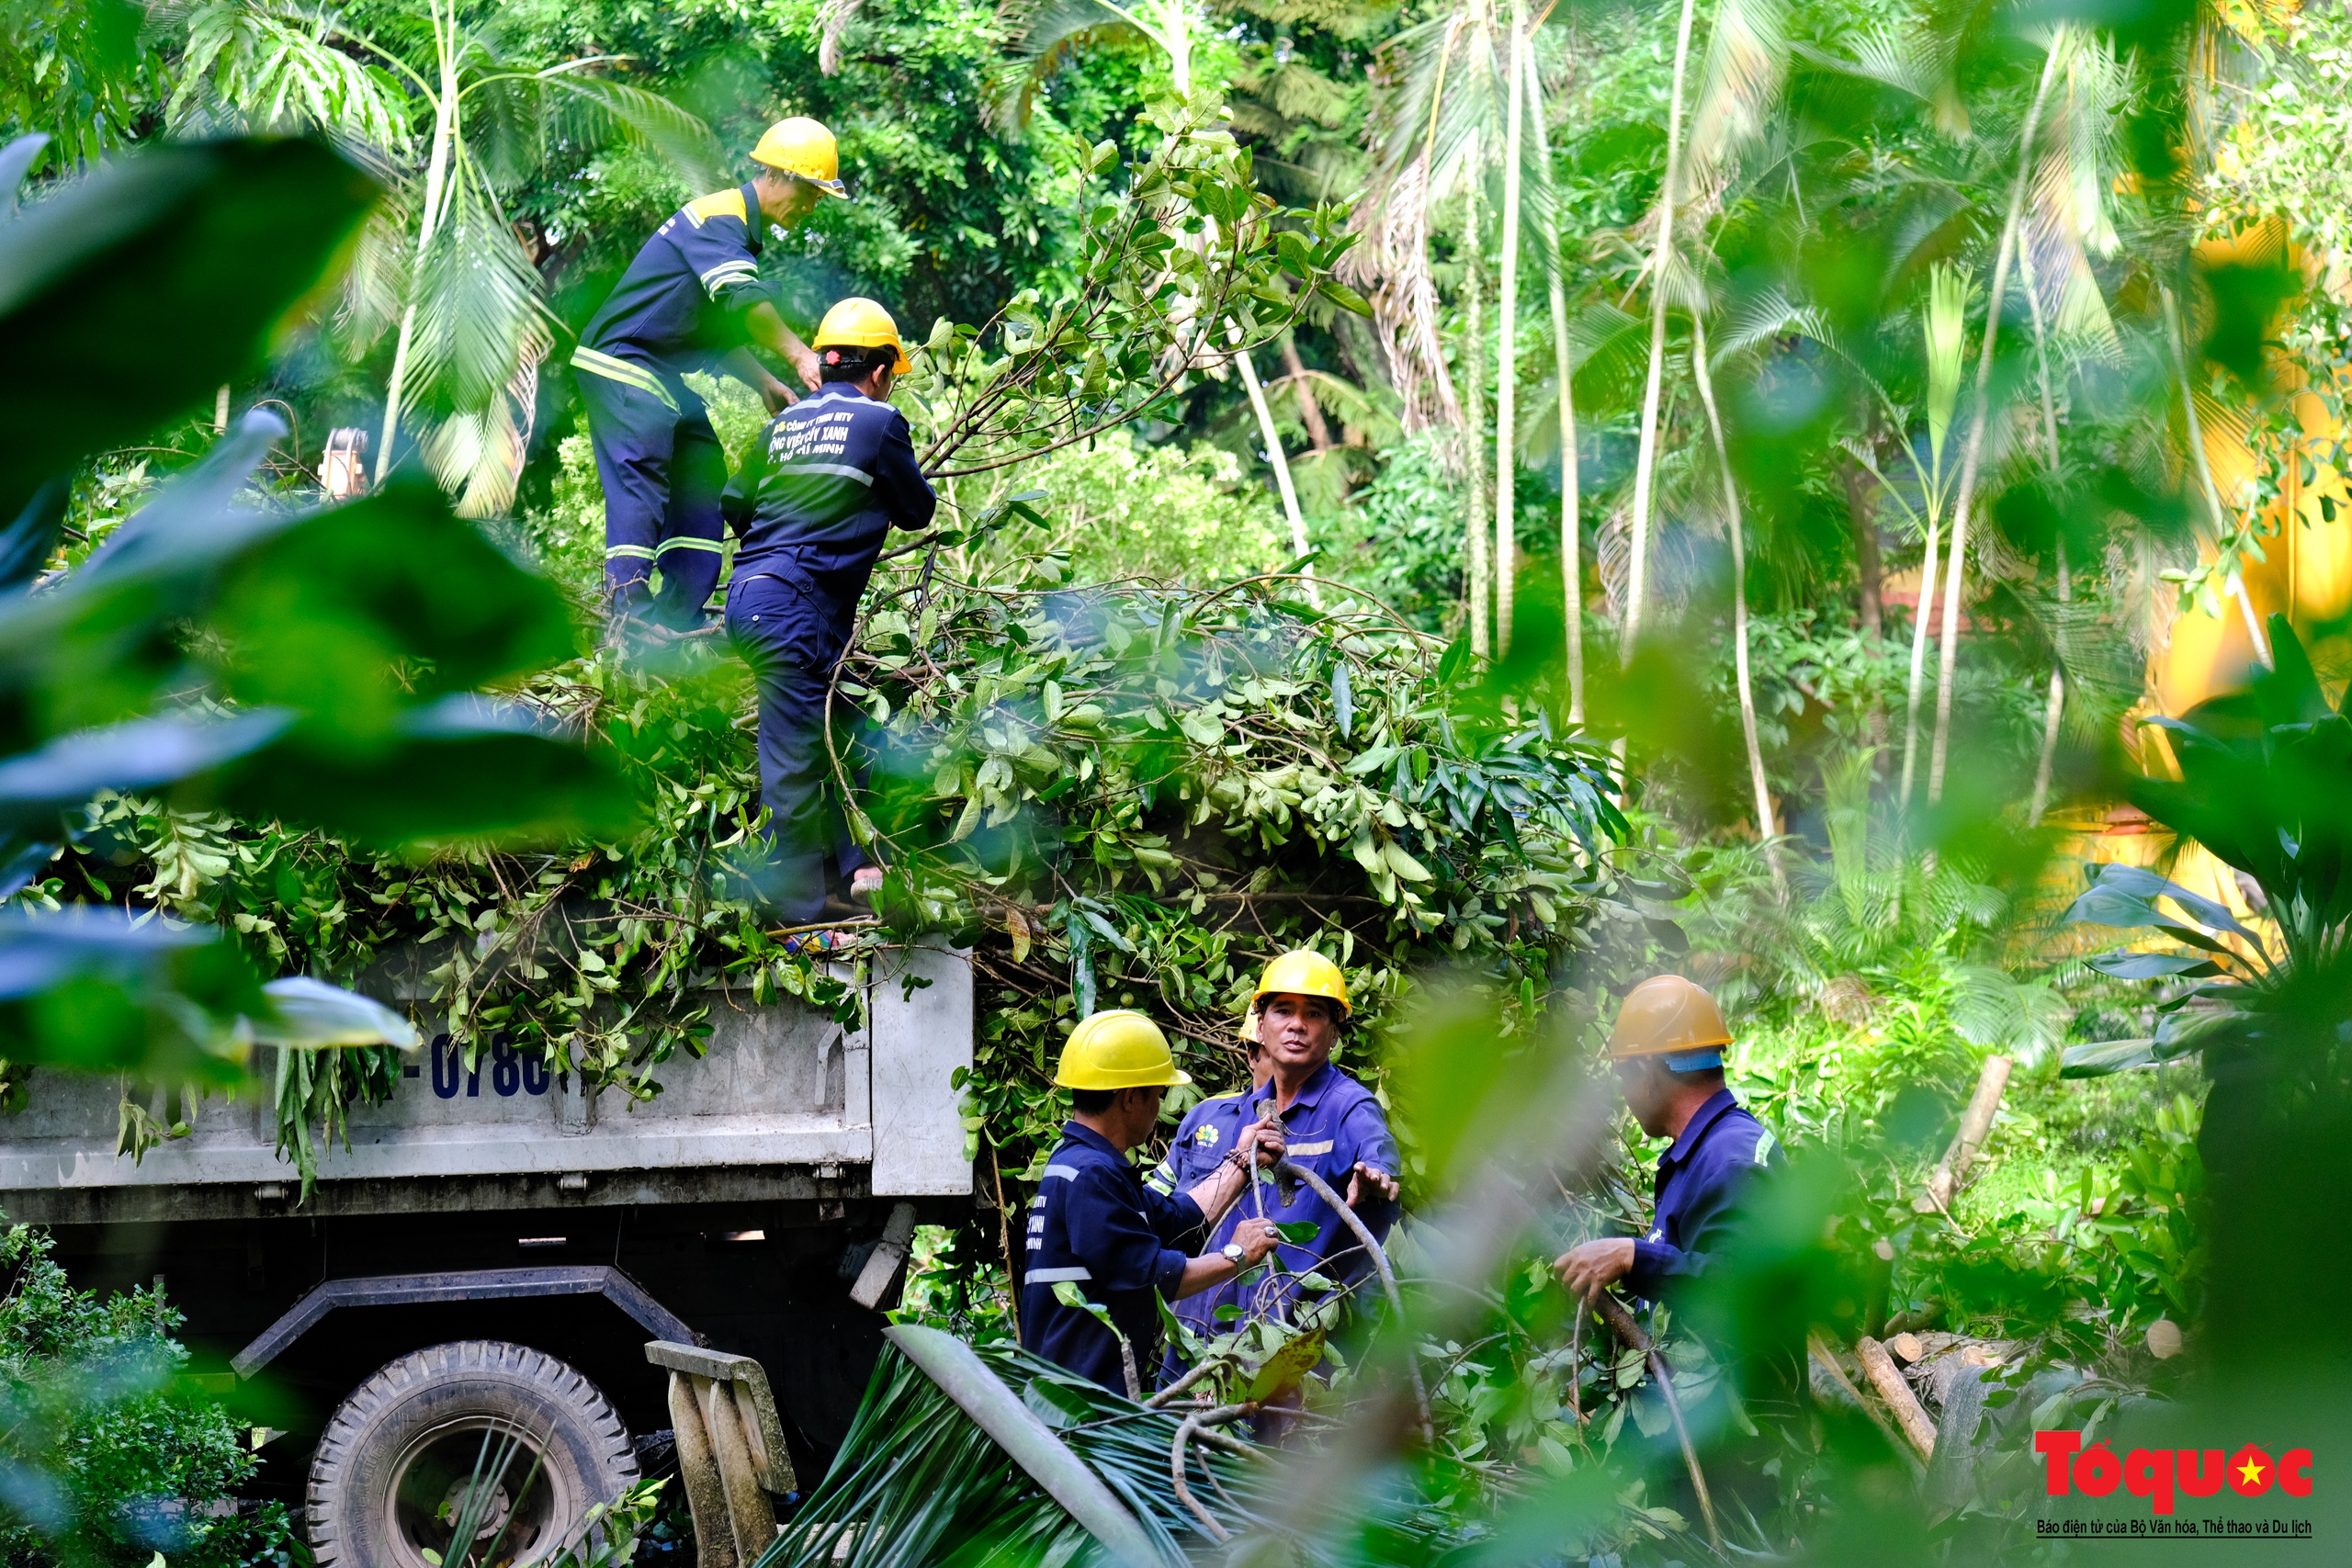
(1667, 1049)
(693, 299)
(1206, 1134)
(1330, 1123)
(1103, 1247)
(820, 489)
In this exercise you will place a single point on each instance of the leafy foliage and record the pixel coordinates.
(110, 1455)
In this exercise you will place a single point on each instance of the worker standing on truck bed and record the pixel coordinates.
(1667, 1048)
(1330, 1124)
(820, 489)
(1102, 1237)
(690, 301)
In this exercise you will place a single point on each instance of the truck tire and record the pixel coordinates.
(412, 1438)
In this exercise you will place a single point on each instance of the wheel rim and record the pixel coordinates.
(434, 1475)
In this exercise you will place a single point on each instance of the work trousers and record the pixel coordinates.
(792, 632)
(662, 471)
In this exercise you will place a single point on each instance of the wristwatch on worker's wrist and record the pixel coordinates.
(1234, 1254)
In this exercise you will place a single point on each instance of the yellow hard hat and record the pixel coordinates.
(1669, 1016)
(802, 148)
(860, 323)
(1302, 972)
(1118, 1049)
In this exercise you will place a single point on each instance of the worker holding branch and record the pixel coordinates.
(1667, 1049)
(1328, 1124)
(1103, 1245)
(692, 299)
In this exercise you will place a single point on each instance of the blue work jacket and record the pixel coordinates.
(1333, 1123)
(1094, 1223)
(822, 486)
(1701, 1181)
(1202, 1138)
(680, 302)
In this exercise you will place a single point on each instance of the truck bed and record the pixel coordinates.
(786, 1104)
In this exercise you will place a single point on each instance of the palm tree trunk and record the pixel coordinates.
(1299, 548)
(1473, 407)
(2054, 710)
(1919, 621)
(1645, 460)
(1571, 522)
(1506, 358)
(1765, 832)
(1861, 515)
(437, 180)
(1978, 418)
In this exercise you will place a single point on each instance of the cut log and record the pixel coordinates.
(1904, 1348)
(1975, 1125)
(1887, 1378)
(1826, 1359)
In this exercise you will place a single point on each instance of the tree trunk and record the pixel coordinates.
(1310, 412)
(1571, 520)
(1919, 621)
(2054, 710)
(1299, 547)
(1507, 356)
(1862, 513)
(1979, 416)
(436, 181)
(1864, 517)
(1765, 832)
(1479, 587)
(1646, 459)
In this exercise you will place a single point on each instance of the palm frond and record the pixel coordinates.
(644, 118)
(1058, 28)
(1747, 60)
(918, 1484)
(261, 67)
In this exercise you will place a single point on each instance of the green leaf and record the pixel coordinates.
(458, 770)
(1345, 298)
(2107, 1057)
(130, 295)
(1283, 1368)
(359, 611)
(1298, 1232)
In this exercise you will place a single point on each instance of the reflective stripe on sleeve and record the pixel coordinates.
(627, 552)
(1054, 1276)
(713, 546)
(1067, 1172)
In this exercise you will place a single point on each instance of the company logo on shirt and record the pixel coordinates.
(1206, 1136)
(827, 435)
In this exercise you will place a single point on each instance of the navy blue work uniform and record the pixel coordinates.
(1701, 1181)
(1095, 1224)
(1334, 1124)
(818, 490)
(678, 306)
(1201, 1141)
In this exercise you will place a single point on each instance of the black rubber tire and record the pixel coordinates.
(429, 1408)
